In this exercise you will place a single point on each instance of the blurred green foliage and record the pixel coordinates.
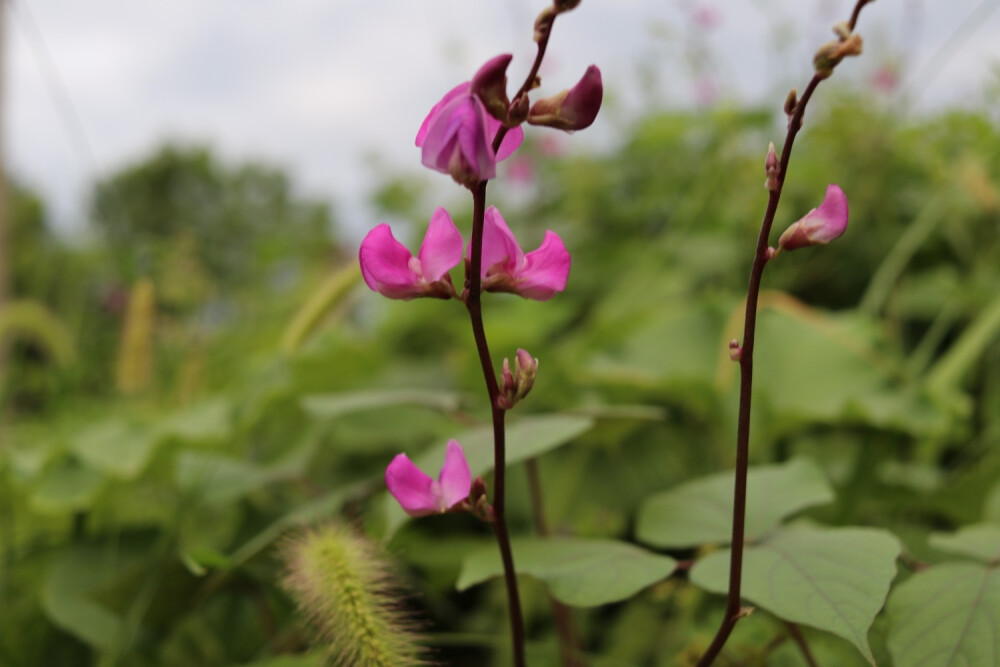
(140, 531)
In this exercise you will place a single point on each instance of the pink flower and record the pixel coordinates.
(389, 268)
(573, 109)
(537, 275)
(418, 494)
(457, 137)
(820, 225)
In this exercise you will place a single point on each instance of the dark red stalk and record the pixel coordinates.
(733, 611)
(474, 305)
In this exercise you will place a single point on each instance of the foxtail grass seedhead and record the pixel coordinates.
(343, 583)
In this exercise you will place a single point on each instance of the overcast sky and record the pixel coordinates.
(313, 85)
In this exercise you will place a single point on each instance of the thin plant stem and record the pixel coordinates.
(569, 642)
(733, 611)
(474, 304)
(800, 641)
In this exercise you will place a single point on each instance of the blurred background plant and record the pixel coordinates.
(201, 377)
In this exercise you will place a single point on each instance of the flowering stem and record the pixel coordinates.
(569, 649)
(733, 611)
(474, 305)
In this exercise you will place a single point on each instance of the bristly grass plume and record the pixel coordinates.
(343, 584)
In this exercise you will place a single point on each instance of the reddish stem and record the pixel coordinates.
(732, 613)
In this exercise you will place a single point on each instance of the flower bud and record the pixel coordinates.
(518, 112)
(735, 351)
(771, 169)
(831, 53)
(573, 109)
(791, 102)
(820, 225)
(508, 386)
(490, 85)
(477, 491)
(525, 370)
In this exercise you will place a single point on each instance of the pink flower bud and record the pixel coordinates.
(508, 385)
(490, 85)
(820, 225)
(572, 109)
(389, 269)
(418, 494)
(525, 371)
(771, 168)
(457, 136)
(538, 275)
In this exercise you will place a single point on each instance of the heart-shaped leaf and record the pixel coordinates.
(578, 572)
(834, 579)
(701, 512)
(945, 616)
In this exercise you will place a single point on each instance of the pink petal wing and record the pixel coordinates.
(455, 478)
(411, 487)
(545, 270)
(385, 264)
(436, 109)
(500, 248)
(474, 140)
(511, 141)
(829, 220)
(441, 250)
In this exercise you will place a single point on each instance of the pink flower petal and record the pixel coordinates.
(412, 488)
(511, 142)
(829, 220)
(545, 270)
(455, 478)
(455, 92)
(454, 138)
(441, 250)
(501, 252)
(820, 225)
(385, 264)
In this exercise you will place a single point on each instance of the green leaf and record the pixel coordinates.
(981, 542)
(216, 478)
(945, 616)
(207, 421)
(321, 508)
(834, 579)
(991, 507)
(701, 512)
(525, 438)
(329, 406)
(116, 448)
(66, 487)
(578, 572)
(69, 594)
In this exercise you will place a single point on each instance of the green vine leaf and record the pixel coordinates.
(700, 512)
(981, 542)
(833, 579)
(579, 572)
(331, 406)
(946, 616)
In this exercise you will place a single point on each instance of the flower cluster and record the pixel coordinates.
(391, 270)
(466, 133)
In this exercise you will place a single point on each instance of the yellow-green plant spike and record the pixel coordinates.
(342, 583)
